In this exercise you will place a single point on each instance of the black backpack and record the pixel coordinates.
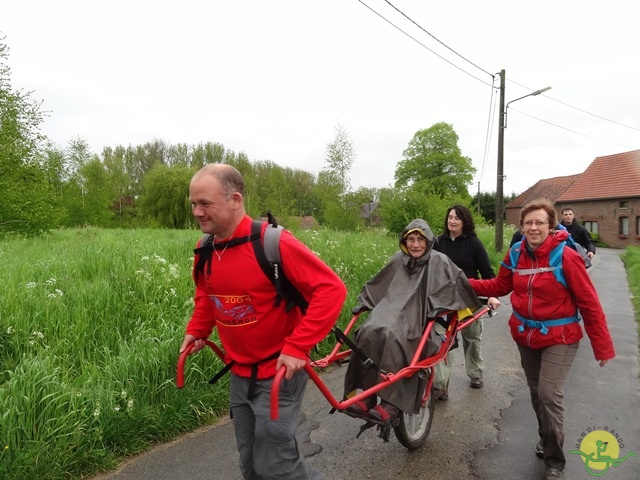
(267, 251)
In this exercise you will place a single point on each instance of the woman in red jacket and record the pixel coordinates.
(545, 321)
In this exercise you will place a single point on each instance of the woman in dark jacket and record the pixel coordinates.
(460, 243)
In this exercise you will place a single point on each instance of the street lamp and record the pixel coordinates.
(500, 180)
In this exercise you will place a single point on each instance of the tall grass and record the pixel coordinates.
(631, 259)
(91, 322)
(90, 326)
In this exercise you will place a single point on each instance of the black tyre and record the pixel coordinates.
(413, 428)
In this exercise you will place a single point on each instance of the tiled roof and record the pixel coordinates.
(549, 188)
(612, 176)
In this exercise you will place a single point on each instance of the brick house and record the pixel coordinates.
(605, 198)
(549, 188)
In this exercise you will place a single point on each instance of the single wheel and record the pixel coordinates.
(413, 428)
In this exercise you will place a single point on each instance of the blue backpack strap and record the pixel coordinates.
(514, 256)
(555, 260)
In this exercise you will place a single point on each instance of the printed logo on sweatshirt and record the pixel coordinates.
(233, 310)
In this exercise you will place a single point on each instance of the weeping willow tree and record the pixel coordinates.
(166, 196)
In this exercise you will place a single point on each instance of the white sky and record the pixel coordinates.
(273, 78)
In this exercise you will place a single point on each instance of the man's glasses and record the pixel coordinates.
(530, 223)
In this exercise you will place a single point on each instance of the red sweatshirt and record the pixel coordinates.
(238, 298)
(542, 297)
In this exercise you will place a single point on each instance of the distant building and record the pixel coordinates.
(605, 198)
(549, 188)
(368, 213)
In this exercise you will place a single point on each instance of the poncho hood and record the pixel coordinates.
(422, 227)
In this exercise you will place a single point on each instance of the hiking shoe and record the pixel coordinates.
(385, 412)
(553, 474)
(439, 394)
(361, 408)
(476, 383)
(539, 450)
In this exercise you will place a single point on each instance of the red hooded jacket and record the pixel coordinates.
(541, 296)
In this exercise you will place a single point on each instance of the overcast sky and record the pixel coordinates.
(274, 78)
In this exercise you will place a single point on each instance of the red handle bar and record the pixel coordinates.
(275, 392)
(183, 358)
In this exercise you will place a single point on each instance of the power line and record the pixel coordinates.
(581, 110)
(493, 77)
(594, 115)
(490, 121)
(437, 40)
(423, 45)
(573, 131)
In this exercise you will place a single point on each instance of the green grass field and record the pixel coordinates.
(90, 326)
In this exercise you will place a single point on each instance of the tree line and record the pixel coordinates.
(46, 187)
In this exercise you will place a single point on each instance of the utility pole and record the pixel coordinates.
(478, 198)
(500, 178)
(502, 125)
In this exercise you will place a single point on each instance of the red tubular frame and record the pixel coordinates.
(385, 378)
(186, 353)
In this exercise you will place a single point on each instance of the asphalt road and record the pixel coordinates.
(476, 435)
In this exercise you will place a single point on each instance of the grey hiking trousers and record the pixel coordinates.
(268, 448)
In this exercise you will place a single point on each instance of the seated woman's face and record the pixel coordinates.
(416, 244)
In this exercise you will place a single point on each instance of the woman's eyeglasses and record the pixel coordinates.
(530, 223)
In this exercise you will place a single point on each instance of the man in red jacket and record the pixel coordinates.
(258, 336)
(546, 321)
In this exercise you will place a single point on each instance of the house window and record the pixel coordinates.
(637, 225)
(623, 225)
(592, 227)
(623, 204)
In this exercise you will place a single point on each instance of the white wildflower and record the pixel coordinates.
(173, 270)
(9, 330)
(32, 285)
(50, 282)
